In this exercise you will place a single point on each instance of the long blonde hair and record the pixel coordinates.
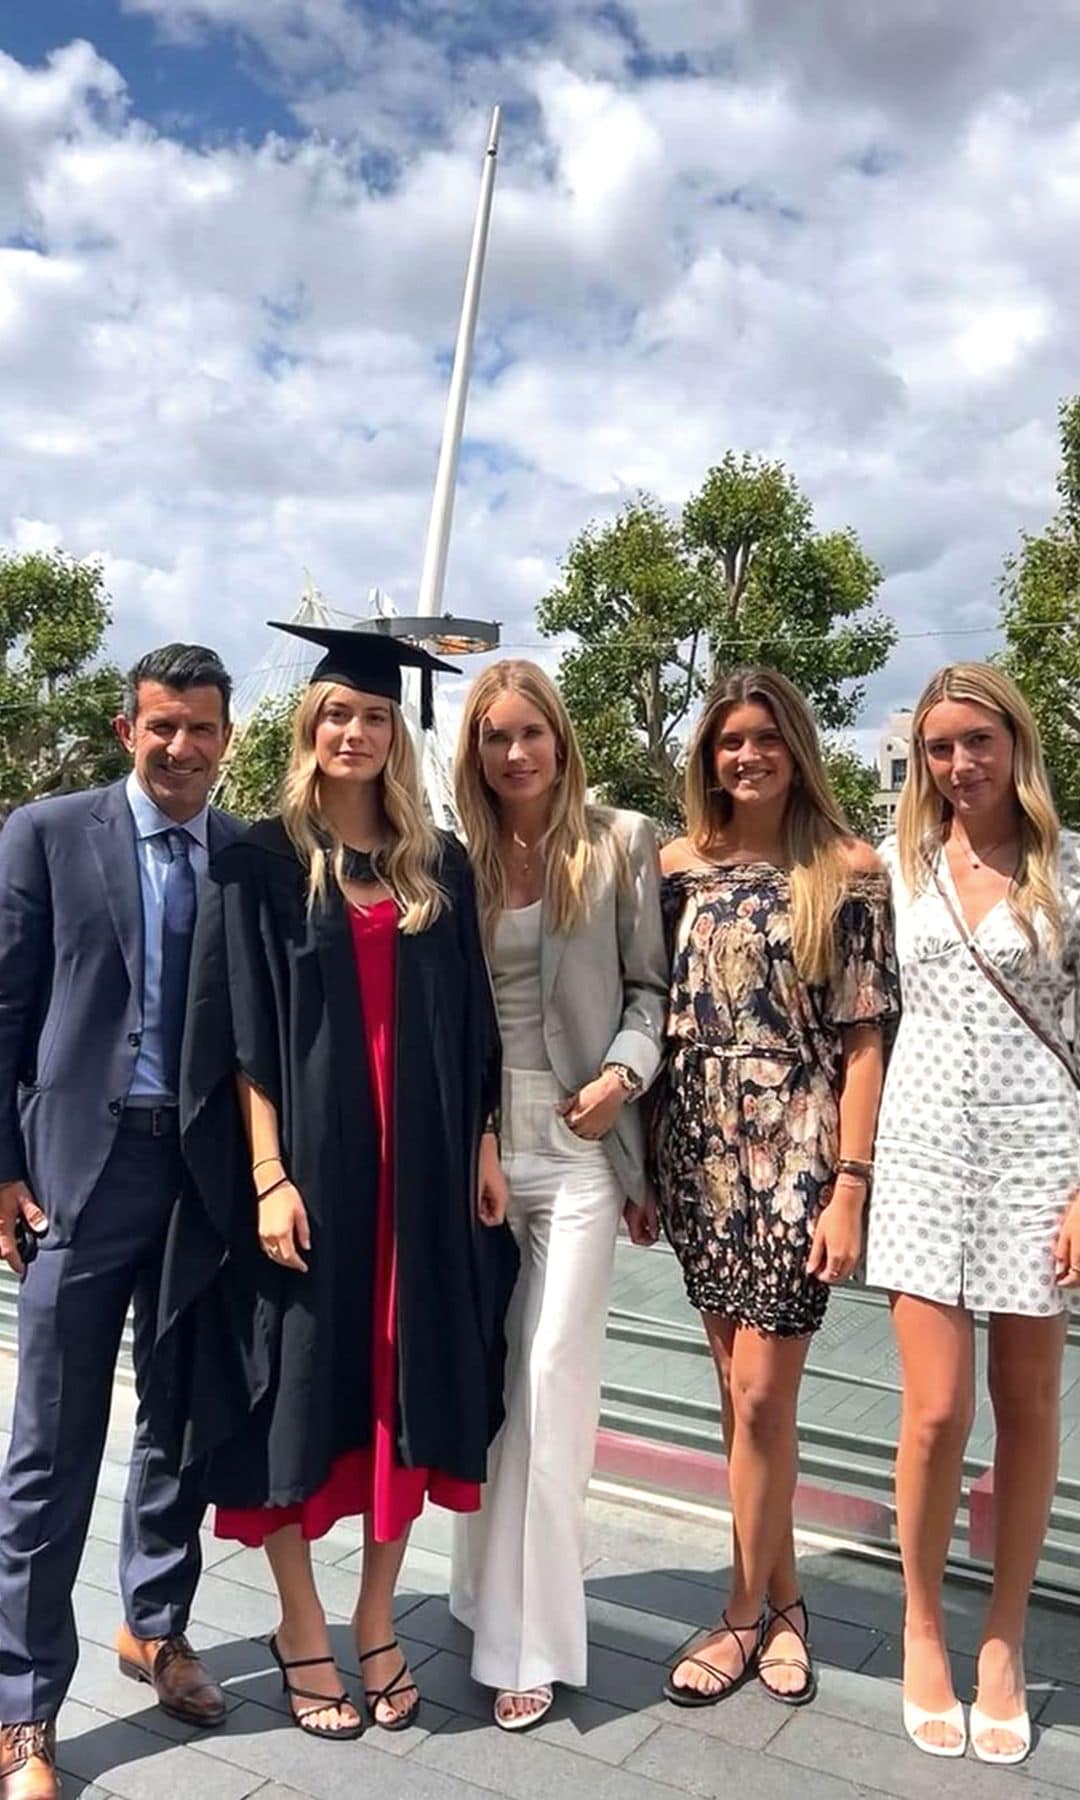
(407, 865)
(814, 830)
(923, 814)
(577, 835)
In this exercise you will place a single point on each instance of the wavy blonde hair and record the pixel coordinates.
(407, 864)
(923, 814)
(578, 836)
(815, 830)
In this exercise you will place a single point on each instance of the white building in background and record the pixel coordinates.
(892, 763)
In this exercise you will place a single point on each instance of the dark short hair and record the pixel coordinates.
(178, 666)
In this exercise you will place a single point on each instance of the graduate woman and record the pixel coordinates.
(569, 899)
(341, 1063)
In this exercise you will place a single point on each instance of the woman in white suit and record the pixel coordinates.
(569, 901)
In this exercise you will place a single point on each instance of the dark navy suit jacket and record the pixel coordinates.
(71, 975)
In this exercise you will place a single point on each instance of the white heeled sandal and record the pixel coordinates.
(542, 1692)
(1019, 1727)
(915, 1717)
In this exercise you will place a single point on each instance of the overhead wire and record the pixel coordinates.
(783, 638)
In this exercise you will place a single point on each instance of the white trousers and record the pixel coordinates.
(517, 1579)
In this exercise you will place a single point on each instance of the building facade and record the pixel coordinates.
(892, 763)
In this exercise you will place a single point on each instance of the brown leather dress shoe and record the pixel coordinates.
(28, 1762)
(170, 1666)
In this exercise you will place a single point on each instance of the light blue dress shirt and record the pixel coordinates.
(149, 1083)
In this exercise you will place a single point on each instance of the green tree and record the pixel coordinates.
(251, 782)
(662, 607)
(56, 710)
(1041, 620)
(629, 596)
(855, 785)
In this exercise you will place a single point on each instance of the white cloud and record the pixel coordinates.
(855, 248)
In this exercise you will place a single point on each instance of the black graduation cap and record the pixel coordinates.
(371, 662)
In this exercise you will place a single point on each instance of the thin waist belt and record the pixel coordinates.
(733, 1052)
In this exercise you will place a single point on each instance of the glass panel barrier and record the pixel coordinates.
(660, 1422)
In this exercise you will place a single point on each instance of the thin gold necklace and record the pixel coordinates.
(518, 843)
(977, 862)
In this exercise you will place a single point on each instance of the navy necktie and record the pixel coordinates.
(178, 923)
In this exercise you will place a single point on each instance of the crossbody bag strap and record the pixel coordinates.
(986, 968)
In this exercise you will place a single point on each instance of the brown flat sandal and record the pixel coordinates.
(685, 1696)
(799, 1696)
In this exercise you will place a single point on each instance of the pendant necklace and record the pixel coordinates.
(525, 863)
(978, 861)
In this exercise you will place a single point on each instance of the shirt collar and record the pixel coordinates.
(150, 821)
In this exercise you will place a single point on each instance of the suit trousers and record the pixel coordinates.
(72, 1305)
(517, 1579)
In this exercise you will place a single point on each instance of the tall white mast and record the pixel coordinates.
(433, 575)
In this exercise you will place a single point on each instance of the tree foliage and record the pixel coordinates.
(56, 710)
(251, 784)
(1041, 620)
(855, 785)
(660, 607)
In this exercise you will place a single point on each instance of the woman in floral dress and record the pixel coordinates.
(783, 977)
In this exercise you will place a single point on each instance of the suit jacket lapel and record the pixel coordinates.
(552, 947)
(111, 833)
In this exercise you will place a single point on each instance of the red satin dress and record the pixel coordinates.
(370, 1480)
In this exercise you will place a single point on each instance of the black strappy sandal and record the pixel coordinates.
(325, 1701)
(685, 1696)
(800, 1696)
(395, 1685)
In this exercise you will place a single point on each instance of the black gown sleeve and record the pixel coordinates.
(211, 1361)
(495, 1250)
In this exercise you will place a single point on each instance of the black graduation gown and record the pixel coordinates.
(267, 1372)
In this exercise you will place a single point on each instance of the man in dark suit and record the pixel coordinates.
(98, 894)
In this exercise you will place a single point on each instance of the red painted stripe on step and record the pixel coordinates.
(697, 1475)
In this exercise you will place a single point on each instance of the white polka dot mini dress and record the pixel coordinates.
(978, 1143)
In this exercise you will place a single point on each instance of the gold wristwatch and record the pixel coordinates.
(631, 1082)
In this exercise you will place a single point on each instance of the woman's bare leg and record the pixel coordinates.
(1025, 1388)
(936, 1346)
(373, 1622)
(763, 1375)
(783, 1589)
(302, 1632)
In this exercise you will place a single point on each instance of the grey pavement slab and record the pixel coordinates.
(655, 1580)
(881, 1763)
(697, 1765)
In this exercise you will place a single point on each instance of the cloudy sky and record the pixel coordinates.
(233, 236)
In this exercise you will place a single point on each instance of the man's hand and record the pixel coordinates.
(16, 1201)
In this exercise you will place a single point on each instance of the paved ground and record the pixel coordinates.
(653, 1580)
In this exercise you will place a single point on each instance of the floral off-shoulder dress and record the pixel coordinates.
(746, 1117)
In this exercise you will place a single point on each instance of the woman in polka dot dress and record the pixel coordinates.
(975, 1204)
